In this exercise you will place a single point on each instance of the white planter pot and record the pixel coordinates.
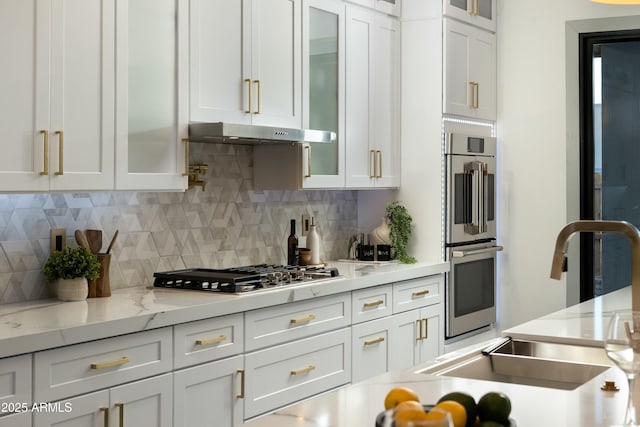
(72, 289)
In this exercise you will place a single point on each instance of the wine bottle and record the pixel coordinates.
(293, 256)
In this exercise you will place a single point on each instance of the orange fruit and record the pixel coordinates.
(408, 416)
(457, 411)
(397, 395)
(467, 401)
(409, 404)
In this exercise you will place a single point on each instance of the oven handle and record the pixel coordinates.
(462, 254)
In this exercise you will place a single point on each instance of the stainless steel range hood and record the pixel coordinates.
(232, 133)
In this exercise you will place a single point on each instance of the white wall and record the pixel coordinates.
(537, 139)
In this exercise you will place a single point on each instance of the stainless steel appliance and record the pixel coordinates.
(470, 237)
(240, 280)
(234, 133)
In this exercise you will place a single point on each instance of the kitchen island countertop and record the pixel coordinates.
(43, 324)
(586, 406)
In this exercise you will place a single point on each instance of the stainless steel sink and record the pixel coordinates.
(551, 365)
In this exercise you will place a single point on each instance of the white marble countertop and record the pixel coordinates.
(38, 325)
(586, 406)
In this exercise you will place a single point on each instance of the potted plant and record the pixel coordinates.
(399, 222)
(69, 270)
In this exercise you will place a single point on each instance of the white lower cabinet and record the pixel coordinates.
(286, 373)
(209, 394)
(22, 419)
(371, 348)
(416, 337)
(143, 403)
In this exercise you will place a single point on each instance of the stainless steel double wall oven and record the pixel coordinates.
(470, 237)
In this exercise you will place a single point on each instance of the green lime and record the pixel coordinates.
(465, 400)
(494, 406)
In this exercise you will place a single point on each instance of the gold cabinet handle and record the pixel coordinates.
(241, 395)
(474, 8)
(303, 370)
(419, 293)
(419, 325)
(45, 168)
(475, 95)
(208, 341)
(308, 150)
(426, 329)
(60, 152)
(110, 363)
(120, 406)
(373, 304)
(185, 141)
(248, 82)
(379, 155)
(304, 319)
(106, 416)
(257, 82)
(375, 341)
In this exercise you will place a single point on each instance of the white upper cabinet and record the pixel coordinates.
(152, 94)
(57, 106)
(481, 13)
(372, 100)
(246, 62)
(469, 72)
(392, 7)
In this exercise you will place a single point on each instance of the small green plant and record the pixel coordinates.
(70, 263)
(399, 222)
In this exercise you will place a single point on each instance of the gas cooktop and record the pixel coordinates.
(240, 280)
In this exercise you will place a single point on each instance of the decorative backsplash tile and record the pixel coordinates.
(229, 224)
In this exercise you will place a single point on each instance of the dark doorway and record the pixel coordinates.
(609, 154)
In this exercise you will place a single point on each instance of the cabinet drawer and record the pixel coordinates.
(207, 340)
(370, 348)
(371, 303)
(80, 368)
(288, 322)
(22, 419)
(15, 380)
(417, 293)
(284, 374)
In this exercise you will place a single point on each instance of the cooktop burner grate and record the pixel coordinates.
(242, 279)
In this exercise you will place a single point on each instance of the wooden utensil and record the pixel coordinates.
(113, 240)
(81, 239)
(94, 237)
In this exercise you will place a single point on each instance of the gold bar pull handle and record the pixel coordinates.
(426, 329)
(304, 319)
(418, 294)
(257, 82)
(241, 395)
(45, 167)
(120, 406)
(307, 148)
(374, 341)
(379, 153)
(477, 104)
(475, 95)
(303, 370)
(474, 8)
(110, 363)
(373, 304)
(209, 341)
(419, 325)
(185, 141)
(105, 412)
(248, 82)
(60, 152)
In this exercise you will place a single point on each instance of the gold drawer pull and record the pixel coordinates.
(45, 170)
(375, 341)
(303, 370)
(241, 372)
(419, 293)
(60, 152)
(208, 341)
(304, 319)
(121, 414)
(105, 412)
(110, 363)
(373, 304)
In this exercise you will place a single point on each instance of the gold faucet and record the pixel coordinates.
(622, 227)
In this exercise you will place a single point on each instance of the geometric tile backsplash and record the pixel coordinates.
(229, 224)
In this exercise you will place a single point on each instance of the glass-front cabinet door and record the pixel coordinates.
(323, 84)
(481, 13)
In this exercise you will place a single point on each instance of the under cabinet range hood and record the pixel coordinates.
(232, 133)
